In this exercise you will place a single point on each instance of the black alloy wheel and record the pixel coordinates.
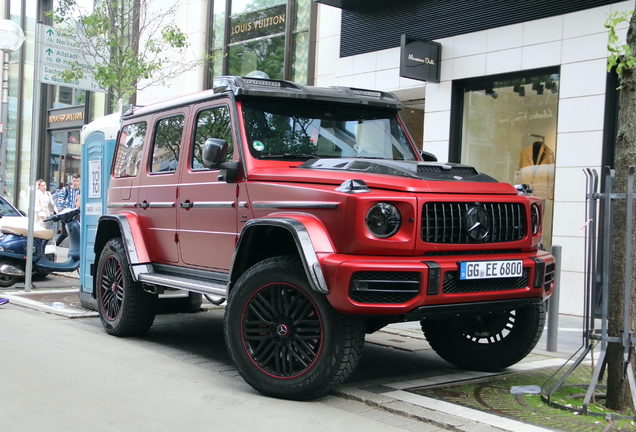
(112, 288)
(286, 340)
(282, 330)
(125, 309)
(487, 342)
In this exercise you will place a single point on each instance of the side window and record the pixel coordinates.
(129, 150)
(211, 123)
(167, 144)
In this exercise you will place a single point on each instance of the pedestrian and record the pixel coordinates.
(68, 198)
(44, 205)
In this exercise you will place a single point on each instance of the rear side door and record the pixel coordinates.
(207, 205)
(158, 191)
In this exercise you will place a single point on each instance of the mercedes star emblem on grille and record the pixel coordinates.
(477, 223)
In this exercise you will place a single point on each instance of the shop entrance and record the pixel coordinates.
(65, 157)
(507, 128)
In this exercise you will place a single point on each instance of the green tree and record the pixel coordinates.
(621, 60)
(128, 45)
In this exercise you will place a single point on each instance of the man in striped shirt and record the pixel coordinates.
(68, 197)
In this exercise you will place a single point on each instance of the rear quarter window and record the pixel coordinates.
(129, 150)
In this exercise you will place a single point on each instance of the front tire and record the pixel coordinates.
(124, 307)
(487, 343)
(286, 339)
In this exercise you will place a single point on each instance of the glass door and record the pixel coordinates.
(65, 160)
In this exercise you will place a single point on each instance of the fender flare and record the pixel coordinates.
(306, 232)
(132, 237)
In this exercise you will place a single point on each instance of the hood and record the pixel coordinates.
(409, 169)
(404, 176)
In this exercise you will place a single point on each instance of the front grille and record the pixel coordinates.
(446, 222)
(384, 287)
(453, 170)
(453, 285)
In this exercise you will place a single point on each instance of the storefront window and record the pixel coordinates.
(254, 38)
(257, 40)
(509, 129)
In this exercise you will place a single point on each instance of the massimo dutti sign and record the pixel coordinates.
(420, 59)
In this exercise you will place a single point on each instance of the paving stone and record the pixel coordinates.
(376, 414)
(435, 417)
(419, 426)
(396, 420)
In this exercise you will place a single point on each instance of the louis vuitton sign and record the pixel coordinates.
(257, 24)
(420, 59)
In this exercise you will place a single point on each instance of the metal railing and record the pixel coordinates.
(599, 215)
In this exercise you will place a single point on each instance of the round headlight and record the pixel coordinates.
(383, 220)
(535, 218)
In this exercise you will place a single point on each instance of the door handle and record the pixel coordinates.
(186, 205)
(144, 205)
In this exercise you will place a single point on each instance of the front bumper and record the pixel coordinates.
(429, 286)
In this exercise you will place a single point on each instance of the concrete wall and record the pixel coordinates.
(191, 19)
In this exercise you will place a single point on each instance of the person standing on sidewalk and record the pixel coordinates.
(44, 205)
(68, 198)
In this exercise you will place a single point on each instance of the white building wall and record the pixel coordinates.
(191, 18)
(577, 42)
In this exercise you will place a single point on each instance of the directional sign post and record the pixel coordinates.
(54, 53)
(59, 53)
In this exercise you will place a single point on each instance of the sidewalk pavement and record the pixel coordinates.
(58, 295)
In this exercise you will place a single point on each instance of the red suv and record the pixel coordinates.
(311, 210)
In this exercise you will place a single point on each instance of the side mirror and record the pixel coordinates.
(214, 152)
(428, 157)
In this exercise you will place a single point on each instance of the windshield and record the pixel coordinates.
(290, 129)
(7, 209)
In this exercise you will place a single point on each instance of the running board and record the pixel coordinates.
(179, 282)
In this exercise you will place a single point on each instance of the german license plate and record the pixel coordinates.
(490, 269)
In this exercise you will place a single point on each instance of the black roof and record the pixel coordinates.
(257, 87)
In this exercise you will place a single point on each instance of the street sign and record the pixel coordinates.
(59, 53)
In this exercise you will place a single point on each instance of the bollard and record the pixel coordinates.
(553, 302)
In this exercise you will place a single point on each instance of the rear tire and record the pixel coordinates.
(286, 340)
(487, 343)
(124, 307)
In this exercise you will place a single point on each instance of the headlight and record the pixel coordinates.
(535, 218)
(383, 220)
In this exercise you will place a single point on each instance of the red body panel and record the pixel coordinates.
(339, 268)
(205, 236)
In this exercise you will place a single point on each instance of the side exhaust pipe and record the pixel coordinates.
(11, 270)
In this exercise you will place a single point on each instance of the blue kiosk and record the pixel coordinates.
(98, 140)
(98, 144)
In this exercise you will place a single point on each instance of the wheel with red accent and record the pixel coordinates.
(488, 342)
(285, 338)
(124, 307)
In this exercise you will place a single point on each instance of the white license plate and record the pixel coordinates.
(490, 269)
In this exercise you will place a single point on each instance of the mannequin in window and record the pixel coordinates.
(536, 168)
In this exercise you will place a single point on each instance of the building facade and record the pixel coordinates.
(232, 36)
(524, 93)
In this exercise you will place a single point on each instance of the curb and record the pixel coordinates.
(17, 298)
